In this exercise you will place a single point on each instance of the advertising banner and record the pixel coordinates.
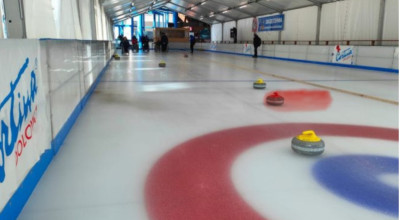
(213, 46)
(343, 54)
(254, 26)
(271, 23)
(24, 117)
(248, 49)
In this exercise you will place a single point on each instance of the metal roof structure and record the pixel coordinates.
(208, 11)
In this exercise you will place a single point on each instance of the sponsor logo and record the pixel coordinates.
(343, 55)
(19, 109)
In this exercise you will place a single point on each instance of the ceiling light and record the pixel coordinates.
(203, 3)
(225, 11)
(243, 6)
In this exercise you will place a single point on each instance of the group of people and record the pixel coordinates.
(163, 43)
(125, 45)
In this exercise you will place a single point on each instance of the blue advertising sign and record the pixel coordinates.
(271, 23)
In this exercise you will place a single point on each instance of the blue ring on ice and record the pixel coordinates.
(355, 178)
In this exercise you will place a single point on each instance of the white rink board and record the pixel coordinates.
(26, 123)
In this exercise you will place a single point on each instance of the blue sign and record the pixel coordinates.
(271, 23)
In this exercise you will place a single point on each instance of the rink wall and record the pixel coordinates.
(383, 58)
(44, 86)
(340, 20)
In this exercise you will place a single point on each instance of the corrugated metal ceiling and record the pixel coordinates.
(208, 11)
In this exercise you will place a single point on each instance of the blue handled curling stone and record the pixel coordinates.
(259, 84)
(308, 143)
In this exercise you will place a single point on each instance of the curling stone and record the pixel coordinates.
(308, 143)
(259, 84)
(185, 55)
(275, 99)
(117, 57)
(162, 64)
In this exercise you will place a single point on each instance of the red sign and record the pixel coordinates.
(255, 25)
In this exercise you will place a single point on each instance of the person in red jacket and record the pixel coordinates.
(135, 46)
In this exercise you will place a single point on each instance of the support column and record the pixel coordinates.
(381, 22)
(167, 19)
(318, 25)
(15, 18)
(235, 37)
(154, 20)
(175, 19)
(132, 27)
(140, 28)
(93, 20)
(143, 24)
(280, 35)
(222, 31)
(121, 28)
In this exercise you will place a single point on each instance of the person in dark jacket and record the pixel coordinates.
(164, 42)
(125, 45)
(146, 46)
(256, 43)
(192, 43)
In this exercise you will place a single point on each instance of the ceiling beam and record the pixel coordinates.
(237, 8)
(190, 9)
(267, 6)
(185, 9)
(317, 3)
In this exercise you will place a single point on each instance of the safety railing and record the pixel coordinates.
(322, 42)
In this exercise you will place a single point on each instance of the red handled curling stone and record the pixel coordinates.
(275, 99)
(186, 55)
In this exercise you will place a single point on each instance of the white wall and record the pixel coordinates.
(300, 24)
(85, 18)
(391, 22)
(342, 20)
(216, 32)
(227, 30)
(350, 19)
(69, 20)
(244, 29)
(40, 19)
(65, 19)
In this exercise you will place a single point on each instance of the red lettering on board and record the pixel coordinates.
(25, 137)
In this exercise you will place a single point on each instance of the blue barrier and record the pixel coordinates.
(314, 62)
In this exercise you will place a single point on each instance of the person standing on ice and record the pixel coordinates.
(256, 44)
(192, 43)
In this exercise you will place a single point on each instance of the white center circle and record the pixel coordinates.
(390, 179)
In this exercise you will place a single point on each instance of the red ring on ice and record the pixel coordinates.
(193, 180)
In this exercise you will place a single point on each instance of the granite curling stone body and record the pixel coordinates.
(275, 99)
(308, 143)
(259, 84)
